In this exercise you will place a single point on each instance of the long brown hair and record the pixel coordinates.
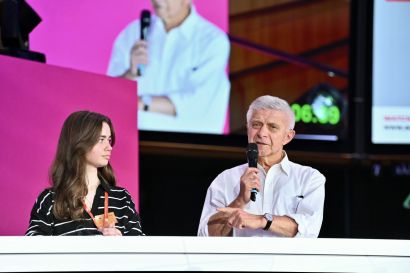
(80, 132)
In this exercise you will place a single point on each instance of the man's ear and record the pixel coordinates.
(289, 136)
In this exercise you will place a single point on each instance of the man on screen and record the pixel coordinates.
(290, 197)
(180, 69)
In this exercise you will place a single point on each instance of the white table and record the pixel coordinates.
(33, 254)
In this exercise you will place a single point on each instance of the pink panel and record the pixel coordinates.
(35, 99)
(80, 34)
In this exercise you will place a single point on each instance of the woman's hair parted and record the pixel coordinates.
(80, 132)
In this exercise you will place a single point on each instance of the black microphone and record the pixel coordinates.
(252, 156)
(145, 23)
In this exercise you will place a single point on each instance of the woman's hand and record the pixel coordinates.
(109, 230)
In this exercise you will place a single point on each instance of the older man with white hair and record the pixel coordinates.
(291, 196)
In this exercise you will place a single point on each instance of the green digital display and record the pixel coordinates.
(306, 113)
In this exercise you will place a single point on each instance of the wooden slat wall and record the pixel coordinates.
(294, 27)
(237, 7)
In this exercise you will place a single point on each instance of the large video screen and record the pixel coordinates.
(390, 72)
(187, 66)
(229, 54)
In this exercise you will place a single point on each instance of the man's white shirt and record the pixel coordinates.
(286, 189)
(187, 64)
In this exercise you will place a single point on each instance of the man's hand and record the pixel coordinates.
(138, 55)
(249, 180)
(222, 222)
(240, 219)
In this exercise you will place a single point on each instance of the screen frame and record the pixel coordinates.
(370, 147)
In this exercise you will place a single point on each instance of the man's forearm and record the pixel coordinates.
(217, 225)
(284, 225)
(159, 104)
(163, 105)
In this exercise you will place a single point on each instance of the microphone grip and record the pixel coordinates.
(254, 191)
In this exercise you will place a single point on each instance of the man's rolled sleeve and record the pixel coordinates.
(309, 213)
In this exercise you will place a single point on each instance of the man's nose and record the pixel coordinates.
(263, 130)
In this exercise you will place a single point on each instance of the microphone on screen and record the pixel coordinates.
(145, 23)
(252, 156)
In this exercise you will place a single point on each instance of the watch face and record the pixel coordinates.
(268, 216)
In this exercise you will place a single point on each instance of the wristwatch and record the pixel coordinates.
(146, 100)
(269, 219)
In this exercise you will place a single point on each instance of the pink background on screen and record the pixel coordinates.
(35, 99)
(80, 33)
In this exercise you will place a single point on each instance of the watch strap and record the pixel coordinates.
(146, 100)
(269, 219)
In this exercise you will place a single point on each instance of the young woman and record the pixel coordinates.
(84, 198)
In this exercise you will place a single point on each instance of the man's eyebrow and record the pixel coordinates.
(274, 124)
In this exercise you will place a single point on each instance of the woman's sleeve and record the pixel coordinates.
(132, 222)
(41, 218)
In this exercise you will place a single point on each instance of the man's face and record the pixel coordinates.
(169, 9)
(269, 129)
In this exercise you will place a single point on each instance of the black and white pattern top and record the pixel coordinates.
(43, 222)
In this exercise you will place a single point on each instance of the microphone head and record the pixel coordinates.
(145, 23)
(252, 154)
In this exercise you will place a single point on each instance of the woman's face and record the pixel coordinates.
(101, 152)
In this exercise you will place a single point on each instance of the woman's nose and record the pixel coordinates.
(108, 146)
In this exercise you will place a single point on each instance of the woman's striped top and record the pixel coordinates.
(43, 222)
